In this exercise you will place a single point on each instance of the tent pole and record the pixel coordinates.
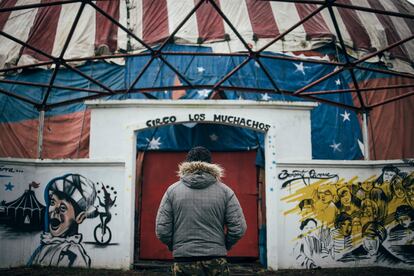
(365, 136)
(40, 134)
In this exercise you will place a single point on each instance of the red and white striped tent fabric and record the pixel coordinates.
(153, 21)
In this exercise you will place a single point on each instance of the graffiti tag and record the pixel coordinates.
(9, 169)
(305, 175)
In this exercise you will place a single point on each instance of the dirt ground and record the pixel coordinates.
(234, 269)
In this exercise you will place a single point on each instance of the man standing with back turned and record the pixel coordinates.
(192, 216)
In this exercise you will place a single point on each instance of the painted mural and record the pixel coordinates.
(358, 220)
(70, 200)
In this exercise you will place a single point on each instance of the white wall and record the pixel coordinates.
(17, 246)
(338, 173)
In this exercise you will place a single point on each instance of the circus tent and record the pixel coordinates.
(26, 212)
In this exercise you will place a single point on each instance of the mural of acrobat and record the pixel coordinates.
(69, 200)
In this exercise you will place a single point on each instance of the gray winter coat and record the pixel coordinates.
(194, 210)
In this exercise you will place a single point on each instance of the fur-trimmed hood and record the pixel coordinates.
(199, 175)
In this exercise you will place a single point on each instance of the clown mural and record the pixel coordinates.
(70, 200)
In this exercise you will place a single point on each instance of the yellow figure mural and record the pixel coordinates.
(365, 220)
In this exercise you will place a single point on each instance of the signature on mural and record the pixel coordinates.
(305, 175)
(11, 170)
(369, 222)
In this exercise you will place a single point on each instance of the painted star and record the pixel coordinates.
(335, 147)
(346, 116)
(300, 68)
(256, 64)
(154, 143)
(203, 93)
(200, 69)
(9, 187)
(265, 97)
(213, 137)
(338, 82)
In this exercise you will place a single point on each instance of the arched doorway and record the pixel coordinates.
(287, 137)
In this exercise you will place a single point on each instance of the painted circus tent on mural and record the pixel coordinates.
(354, 58)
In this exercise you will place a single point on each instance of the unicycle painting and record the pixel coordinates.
(102, 233)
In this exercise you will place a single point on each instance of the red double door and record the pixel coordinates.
(160, 171)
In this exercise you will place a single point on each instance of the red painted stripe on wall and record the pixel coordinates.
(390, 127)
(262, 19)
(154, 20)
(4, 16)
(209, 22)
(43, 31)
(106, 31)
(355, 28)
(315, 26)
(390, 30)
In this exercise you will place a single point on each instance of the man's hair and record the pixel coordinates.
(403, 210)
(199, 154)
(342, 217)
(306, 201)
(374, 229)
(408, 181)
(305, 222)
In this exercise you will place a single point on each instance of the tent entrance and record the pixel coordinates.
(159, 171)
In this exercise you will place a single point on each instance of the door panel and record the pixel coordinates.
(160, 171)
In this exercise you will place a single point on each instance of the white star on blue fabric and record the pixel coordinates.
(213, 137)
(203, 93)
(154, 143)
(338, 82)
(9, 186)
(265, 97)
(201, 69)
(335, 147)
(345, 115)
(256, 64)
(300, 68)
